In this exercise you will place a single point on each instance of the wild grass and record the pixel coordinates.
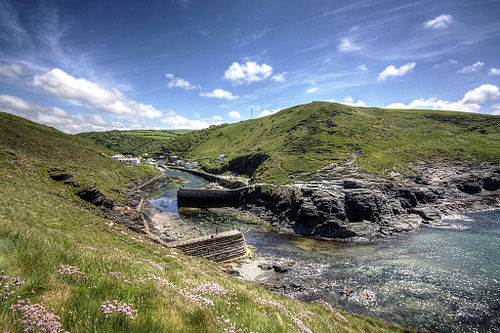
(306, 137)
(138, 143)
(46, 227)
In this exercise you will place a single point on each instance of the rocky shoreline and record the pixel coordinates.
(339, 202)
(343, 203)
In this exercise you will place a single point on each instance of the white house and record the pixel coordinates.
(173, 159)
(117, 157)
(222, 157)
(191, 165)
(130, 160)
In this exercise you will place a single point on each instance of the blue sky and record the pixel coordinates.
(101, 65)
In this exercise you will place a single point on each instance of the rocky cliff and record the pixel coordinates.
(342, 202)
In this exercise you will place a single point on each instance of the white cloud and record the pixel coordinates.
(177, 82)
(248, 72)
(481, 94)
(439, 23)
(350, 101)
(179, 122)
(234, 115)
(347, 45)
(494, 71)
(219, 93)
(328, 61)
(472, 68)
(470, 103)
(11, 70)
(311, 90)
(495, 109)
(279, 77)
(60, 84)
(55, 117)
(268, 112)
(392, 71)
(363, 68)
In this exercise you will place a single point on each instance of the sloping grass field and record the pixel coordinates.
(304, 138)
(64, 268)
(138, 143)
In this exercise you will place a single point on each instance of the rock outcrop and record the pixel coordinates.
(343, 202)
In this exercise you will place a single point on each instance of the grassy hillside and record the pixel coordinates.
(136, 142)
(304, 138)
(64, 268)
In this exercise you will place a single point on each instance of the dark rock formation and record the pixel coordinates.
(345, 203)
(95, 197)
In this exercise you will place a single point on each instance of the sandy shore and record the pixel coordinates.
(163, 224)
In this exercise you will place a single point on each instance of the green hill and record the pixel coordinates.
(304, 138)
(301, 139)
(62, 267)
(136, 142)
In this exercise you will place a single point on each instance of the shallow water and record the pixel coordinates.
(167, 200)
(446, 279)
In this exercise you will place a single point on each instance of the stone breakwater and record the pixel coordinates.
(343, 202)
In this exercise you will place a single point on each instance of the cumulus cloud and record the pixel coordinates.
(60, 84)
(439, 23)
(248, 72)
(234, 115)
(279, 77)
(481, 94)
(363, 68)
(56, 117)
(219, 93)
(311, 90)
(494, 71)
(470, 103)
(11, 70)
(392, 71)
(268, 112)
(472, 68)
(179, 122)
(177, 82)
(350, 101)
(495, 109)
(347, 45)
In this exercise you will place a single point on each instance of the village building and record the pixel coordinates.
(191, 165)
(130, 160)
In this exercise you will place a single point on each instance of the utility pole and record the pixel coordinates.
(251, 113)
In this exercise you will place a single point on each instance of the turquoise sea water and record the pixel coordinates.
(441, 279)
(445, 280)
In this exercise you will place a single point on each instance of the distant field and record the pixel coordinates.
(301, 139)
(136, 143)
